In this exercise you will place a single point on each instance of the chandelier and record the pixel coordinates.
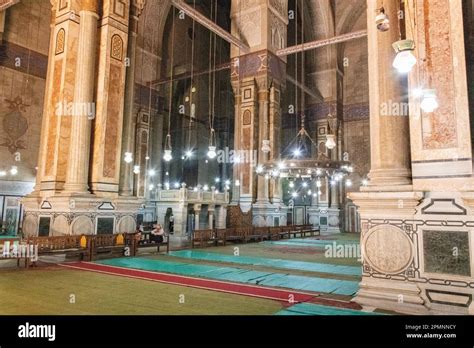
(308, 168)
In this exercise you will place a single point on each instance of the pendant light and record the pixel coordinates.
(405, 60)
(168, 148)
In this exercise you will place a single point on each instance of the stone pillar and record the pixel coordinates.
(275, 143)
(211, 211)
(197, 212)
(263, 134)
(389, 132)
(44, 121)
(253, 72)
(128, 137)
(60, 93)
(107, 143)
(441, 140)
(408, 232)
(79, 149)
(237, 132)
(2, 24)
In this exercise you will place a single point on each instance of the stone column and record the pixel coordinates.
(441, 140)
(389, 131)
(83, 101)
(252, 72)
(263, 134)
(60, 93)
(106, 155)
(211, 211)
(274, 137)
(44, 121)
(237, 128)
(128, 137)
(2, 24)
(197, 212)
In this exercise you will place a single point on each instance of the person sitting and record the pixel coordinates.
(157, 234)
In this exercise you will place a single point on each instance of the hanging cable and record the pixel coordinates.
(168, 148)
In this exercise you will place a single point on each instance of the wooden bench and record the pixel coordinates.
(107, 244)
(263, 233)
(79, 245)
(203, 238)
(311, 230)
(220, 234)
(145, 241)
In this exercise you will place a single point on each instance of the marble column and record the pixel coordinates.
(263, 134)
(44, 121)
(441, 140)
(197, 212)
(79, 149)
(128, 137)
(110, 90)
(211, 211)
(389, 132)
(2, 24)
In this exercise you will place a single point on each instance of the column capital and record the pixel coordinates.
(137, 7)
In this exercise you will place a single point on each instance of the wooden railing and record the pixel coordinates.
(82, 247)
(203, 238)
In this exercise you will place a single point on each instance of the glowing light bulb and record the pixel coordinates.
(294, 194)
(217, 180)
(281, 165)
(259, 169)
(136, 169)
(205, 187)
(292, 184)
(330, 141)
(14, 170)
(365, 182)
(212, 152)
(405, 60)
(430, 101)
(348, 183)
(318, 183)
(237, 183)
(176, 185)
(309, 192)
(167, 156)
(296, 152)
(152, 172)
(305, 184)
(128, 158)
(189, 154)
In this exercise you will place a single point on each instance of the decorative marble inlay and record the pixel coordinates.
(388, 249)
(116, 50)
(247, 118)
(15, 125)
(439, 127)
(60, 41)
(120, 7)
(446, 252)
(112, 123)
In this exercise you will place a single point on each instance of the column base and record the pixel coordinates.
(74, 214)
(268, 214)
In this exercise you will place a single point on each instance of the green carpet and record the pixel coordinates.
(272, 279)
(315, 309)
(276, 263)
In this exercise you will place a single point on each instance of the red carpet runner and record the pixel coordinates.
(214, 285)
